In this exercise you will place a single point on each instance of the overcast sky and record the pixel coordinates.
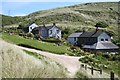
(24, 7)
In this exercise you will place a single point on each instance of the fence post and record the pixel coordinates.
(112, 75)
(85, 67)
(82, 65)
(100, 71)
(92, 70)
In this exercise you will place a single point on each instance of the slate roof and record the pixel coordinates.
(102, 45)
(75, 34)
(30, 24)
(91, 34)
(47, 27)
(37, 28)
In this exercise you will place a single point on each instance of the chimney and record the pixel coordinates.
(54, 24)
(83, 30)
(96, 29)
(43, 25)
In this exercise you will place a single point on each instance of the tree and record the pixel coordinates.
(101, 24)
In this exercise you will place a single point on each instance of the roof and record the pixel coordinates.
(37, 28)
(75, 34)
(91, 34)
(47, 27)
(102, 45)
(33, 24)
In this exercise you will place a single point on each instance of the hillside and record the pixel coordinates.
(78, 15)
(8, 20)
(81, 14)
(75, 17)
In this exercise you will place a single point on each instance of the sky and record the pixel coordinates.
(25, 7)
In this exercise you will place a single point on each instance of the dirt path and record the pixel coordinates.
(70, 62)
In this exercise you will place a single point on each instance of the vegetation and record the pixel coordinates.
(80, 76)
(101, 24)
(107, 62)
(45, 46)
(7, 20)
(20, 64)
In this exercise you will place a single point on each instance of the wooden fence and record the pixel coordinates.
(100, 70)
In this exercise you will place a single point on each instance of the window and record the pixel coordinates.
(102, 39)
(57, 31)
(50, 31)
(106, 39)
(75, 39)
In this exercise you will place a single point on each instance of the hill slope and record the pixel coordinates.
(77, 16)
(82, 14)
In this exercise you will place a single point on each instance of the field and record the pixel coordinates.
(23, 64)
(45, 46)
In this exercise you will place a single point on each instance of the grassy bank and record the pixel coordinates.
(23, 64)
(107, 62)
(45, 46)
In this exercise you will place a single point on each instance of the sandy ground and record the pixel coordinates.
(70, 62)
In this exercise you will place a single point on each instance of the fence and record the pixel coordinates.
(100, 70)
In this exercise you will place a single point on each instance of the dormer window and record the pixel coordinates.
(106, 39)
(102, 39)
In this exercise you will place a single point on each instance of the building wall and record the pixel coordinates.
(86, 40)
(103, 36)
(32, 26)
(44, 32)
(71, 40)
(54, 32)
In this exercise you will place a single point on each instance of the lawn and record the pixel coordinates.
(40, 45)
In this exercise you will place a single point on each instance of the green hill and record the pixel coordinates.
(80, 15)
(75, 17)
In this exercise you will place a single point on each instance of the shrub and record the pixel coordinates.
(30, 35)
(101, 24)
(106, 55)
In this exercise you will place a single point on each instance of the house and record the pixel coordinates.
(73, 38)
(48, 31)
(96, 41)
(30, 27)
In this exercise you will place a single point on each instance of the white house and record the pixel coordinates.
(32, 26)
(48, 31)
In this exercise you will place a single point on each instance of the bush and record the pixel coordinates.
(106, 55)
(30, 35)
(101, 24)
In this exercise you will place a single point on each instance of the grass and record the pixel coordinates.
(103, 63)
(45, 46)
(20, 64)
(80, 76)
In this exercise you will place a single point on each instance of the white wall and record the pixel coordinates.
(71, 40)
(54, 32)
(32, 26)
(104, 36)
